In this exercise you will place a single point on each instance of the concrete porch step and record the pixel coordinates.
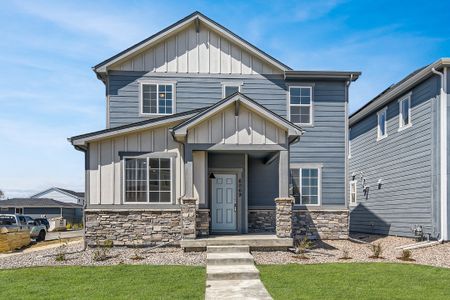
(227, 259)
(228, 249)
(236, 272)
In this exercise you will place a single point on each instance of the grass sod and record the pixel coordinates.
(109, 282)
(356, 281)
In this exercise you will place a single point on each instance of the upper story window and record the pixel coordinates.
(148, 180)
(382, 127)
(305, 185)
(405, 112)
(353, 192)
(230, 88)
(157, 98)
(300, 105)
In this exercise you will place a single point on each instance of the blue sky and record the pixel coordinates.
(47, 48)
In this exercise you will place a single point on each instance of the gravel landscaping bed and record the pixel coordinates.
(330, 251)
(76, 256)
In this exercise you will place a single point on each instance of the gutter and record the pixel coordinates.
(443, 152)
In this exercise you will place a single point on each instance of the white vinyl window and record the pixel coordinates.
(147, 180)
(382, 128)
(157, 98)
(300, 105)
(404, 112)
(305, 185)
(352, 194)
(230, 88)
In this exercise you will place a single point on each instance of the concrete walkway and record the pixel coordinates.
(231, 274)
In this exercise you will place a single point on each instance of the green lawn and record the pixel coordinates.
(114, 282)
(356, 281)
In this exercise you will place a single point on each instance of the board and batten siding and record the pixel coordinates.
(247, 128)
(404, 161)
(189, 51)
(106, 167)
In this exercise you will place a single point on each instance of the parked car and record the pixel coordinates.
(37, 230)
(43, 221)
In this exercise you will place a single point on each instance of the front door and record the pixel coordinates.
(223, 213)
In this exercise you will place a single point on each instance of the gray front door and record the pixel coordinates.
(223, 212)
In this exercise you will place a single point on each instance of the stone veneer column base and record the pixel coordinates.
(188, 218)
(321, 224)
(283, 217)
(133, 227)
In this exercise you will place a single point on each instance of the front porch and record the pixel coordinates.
(260, 241)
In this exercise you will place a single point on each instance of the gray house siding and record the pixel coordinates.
(405, 161)
(324, 143)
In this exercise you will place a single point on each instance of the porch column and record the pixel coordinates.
(284, 203)
(188, 218)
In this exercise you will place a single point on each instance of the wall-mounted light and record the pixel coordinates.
(353, 175)
(211, 176)
(380, 183)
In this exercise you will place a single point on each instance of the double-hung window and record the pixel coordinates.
(148, 180)
(382, 128)
(405, 112)
(157, 98)
(305, 185)
(300, 105)
(352, 193)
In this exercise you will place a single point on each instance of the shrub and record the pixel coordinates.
(345, 254)
(377, 250)
(101, 253)
(68, 226)
(61, 252)
(301, 246)
(406, 255)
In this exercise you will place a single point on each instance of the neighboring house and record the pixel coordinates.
(43, 207)
(62, 195)
(398, 158)
(208, 134)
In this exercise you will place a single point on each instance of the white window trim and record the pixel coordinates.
(141, 96)
(400, 112)
(148, 189)
(319, 184)
(311, 110)
(231, 84)
(379, 136)
(349, 144)
(350, 203)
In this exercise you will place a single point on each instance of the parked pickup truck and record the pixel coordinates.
(38, 231)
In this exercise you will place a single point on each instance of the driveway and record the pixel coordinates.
(51, 236)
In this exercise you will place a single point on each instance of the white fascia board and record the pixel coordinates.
(398, 91)
(101, 136)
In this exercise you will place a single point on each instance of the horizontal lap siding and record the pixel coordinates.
(403, 161)
(324, 143)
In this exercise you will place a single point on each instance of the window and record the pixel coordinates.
(19, 211)
(157, 98)
(305, 184)
(405, 112)
(300, 104)
(230, 88)
(353, 192)
(148, 180)
(382, 130)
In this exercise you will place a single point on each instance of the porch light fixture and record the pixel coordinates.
(211, 176)
(380, 183)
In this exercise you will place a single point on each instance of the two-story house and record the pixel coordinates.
(207, 134)
(398, 157)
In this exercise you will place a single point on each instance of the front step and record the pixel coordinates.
(227, 259)
(235, 272)
(228, 249)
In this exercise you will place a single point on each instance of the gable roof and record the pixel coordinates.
(70, 193)
(181, 129)
(397, 89)
(141, 125)
(36, 202)
(195, 17)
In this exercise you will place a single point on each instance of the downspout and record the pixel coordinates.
(183, 146)
(346, 136)
(86, 189)
(443, 153)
